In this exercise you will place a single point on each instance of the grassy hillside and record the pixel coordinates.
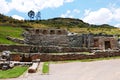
(14, 32)
(113, 31)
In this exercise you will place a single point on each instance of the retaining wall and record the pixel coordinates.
(51, 57)
(46, 57)
(35, 49)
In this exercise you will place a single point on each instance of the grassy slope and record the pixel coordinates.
(13, 73)
(9, 31)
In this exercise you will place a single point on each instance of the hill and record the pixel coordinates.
(75, 25)
(70, 23)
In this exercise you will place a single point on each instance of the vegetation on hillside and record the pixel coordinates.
(74, 25)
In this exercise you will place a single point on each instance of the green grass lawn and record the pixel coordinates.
(12, 73)
(14, 32)
(45, 68)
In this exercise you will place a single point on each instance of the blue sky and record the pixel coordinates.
(90, 11)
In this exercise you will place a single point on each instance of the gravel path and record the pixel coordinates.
(98, 70)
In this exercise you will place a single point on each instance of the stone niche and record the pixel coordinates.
(48, 31)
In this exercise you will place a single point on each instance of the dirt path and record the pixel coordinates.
(98, 70)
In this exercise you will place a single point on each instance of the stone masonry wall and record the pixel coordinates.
(52, 37)
(47, 40)
(63, 57)
(61, 38)
(36, 49)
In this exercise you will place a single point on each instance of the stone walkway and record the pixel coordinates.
(98, 70)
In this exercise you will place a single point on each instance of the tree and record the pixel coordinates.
(38, 15)
(31, 14)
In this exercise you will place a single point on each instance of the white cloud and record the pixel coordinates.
(27, 5)
(101, 16)
(67, 14)
(70, 13)
(69, 0)
(117, 25)
(116, 14)
(76, 11)
(4, 6)
(18, 17)
(87, 11)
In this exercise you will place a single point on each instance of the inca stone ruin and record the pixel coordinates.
(63, 38)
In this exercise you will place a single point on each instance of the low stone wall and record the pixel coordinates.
(35, 49)
(16, 48)
(51, 57)
(47, 57)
